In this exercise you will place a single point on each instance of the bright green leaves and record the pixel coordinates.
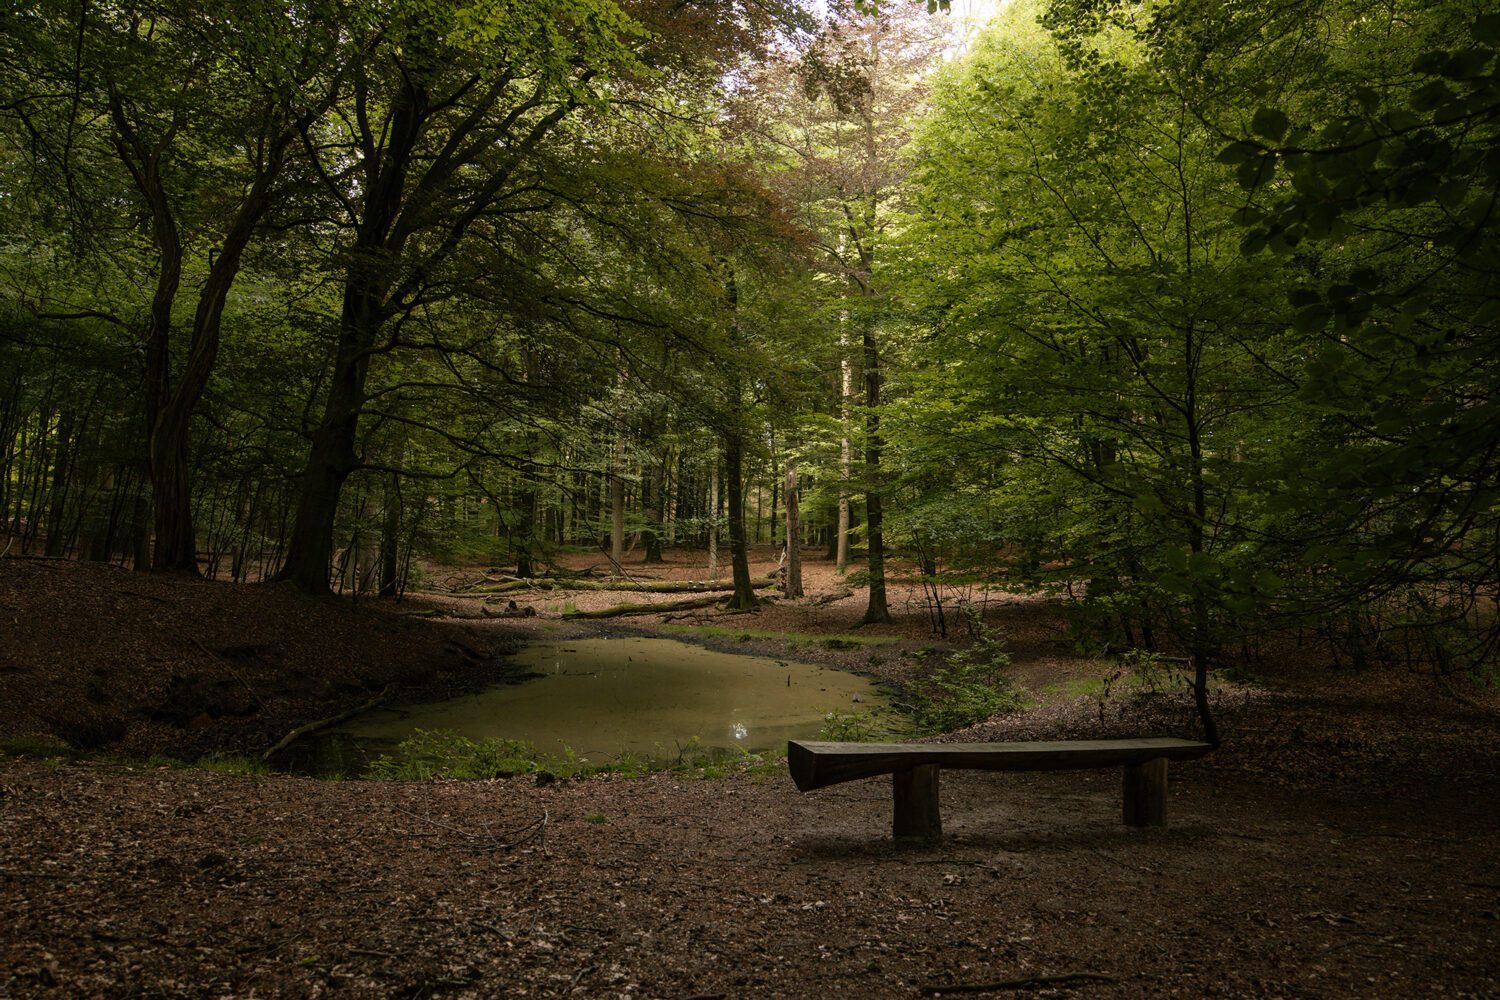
(872, 7)
(556, 40)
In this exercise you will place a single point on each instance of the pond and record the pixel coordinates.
(600, 698)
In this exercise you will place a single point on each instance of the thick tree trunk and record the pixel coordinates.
(744, 593)
(876, 611)
(332, 457)
(170, 448)
(176, 548)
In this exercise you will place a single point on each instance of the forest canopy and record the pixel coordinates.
(1187, 309)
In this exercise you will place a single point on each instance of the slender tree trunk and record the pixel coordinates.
(793, 531)
(713, 518)
(775, 495)
(655, 505)
(169, 410)
(390, 536)
(846, 455)
(617, 502)
(744, 598)
(1203, 648)
(56, 515)
(876, 611)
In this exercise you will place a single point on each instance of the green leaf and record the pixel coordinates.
(1487, 313)
(1271, 123)
(1312, 319)
(1238, 152)
(1430, 63)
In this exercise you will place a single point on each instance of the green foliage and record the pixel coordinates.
(1150, 673)
(430, 754)
(971, 685)
(231, 764)
(38, 749)
(852, 727)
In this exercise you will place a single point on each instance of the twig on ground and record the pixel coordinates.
(312, 727)
(522, 835)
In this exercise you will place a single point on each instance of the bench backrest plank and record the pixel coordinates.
(818, 765)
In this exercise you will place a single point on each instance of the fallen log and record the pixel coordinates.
(832, 598)
(510, 612)
(628, 586)
(623, 610)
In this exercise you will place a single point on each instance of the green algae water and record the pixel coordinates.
(603, 698)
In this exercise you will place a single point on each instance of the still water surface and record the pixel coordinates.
(602, 697)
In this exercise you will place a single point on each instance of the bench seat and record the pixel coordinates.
(914, 769)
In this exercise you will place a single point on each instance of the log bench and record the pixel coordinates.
(914, 767)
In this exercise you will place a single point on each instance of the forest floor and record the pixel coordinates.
(1343, 842)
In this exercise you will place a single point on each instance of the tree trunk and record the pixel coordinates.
(654, 505)
(793, 531)
(846, 456)
(713, 518)
(1203, 646)
(57, 502)
(176, 548)
(876, 612)
(390, 537)
(617, 502)
(332, 457)
(744, 594)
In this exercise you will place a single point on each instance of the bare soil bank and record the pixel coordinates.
(103, 659)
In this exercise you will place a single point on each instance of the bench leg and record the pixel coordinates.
(916, 800)
(1146, 793)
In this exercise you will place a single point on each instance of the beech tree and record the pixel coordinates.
(841, 118)
(199, 105)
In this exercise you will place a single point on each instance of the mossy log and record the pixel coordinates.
(623, 610)
(627, 586)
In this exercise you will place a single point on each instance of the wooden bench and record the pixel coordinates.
(914, 771)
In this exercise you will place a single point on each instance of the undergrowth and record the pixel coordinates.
(428, 754)
(32, 748)
(854, 727)
(971, 685)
